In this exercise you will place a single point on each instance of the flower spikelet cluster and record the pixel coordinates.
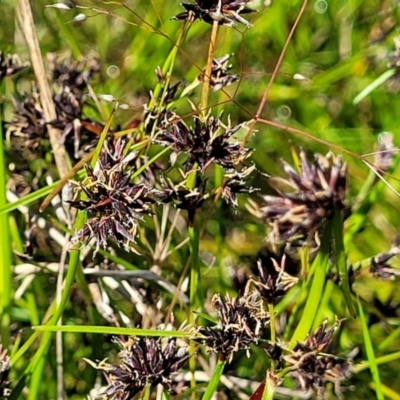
(312, 368)
(316, 192)
(10, 64)
(226, 12)
(204, 142)
(240, 323)
(144, 361)
(114, 203)
(5, 390)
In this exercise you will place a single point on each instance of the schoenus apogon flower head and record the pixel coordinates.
(226, 12)
(159, 116)
(205, 142)
(28, 127)
(5, 390)
(380, 267)
(312, 368)
(10, 64)
(219, 73)
(114, 203)
(317, 192)
(235, 183)
(272, 280)
(386, 152)
(144, 362)
(71, 73)
(240, 323)
(183, 197)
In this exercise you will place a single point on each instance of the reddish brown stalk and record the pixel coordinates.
(275, 73)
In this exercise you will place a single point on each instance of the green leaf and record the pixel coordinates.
(110, 330)
(373, 366)
(340, 258)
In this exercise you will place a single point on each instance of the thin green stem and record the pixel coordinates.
(214, 381)
(194, 236)
(5, 247)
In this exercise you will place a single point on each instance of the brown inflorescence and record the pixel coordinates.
(144, 362)
(114, 203)
(317, 191)
(225, 12)
(5, 390)
(204, 142)
(312, 367)
(241, 321)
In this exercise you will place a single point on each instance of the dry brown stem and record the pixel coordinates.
(27, 24)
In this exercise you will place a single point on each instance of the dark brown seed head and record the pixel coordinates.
(10, 64)
(5, 390)
(240, 323)
(313, 195)
(114, 203)
(144, 361)
(226, 12)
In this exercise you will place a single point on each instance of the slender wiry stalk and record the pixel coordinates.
(207, 75)
(194, 235)
(25, 19)
(5, 247)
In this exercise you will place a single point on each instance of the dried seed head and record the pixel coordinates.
(5, 390)
(71, 73)
(380, 267)
(240, 323)
(273, 282)
(10, 64)
(386, 152)
(144, 361)
(226, 12)
(115, 204)
(317, 191)
(183, 197)
(312, 369)
(219, 73)
(235, 183)
(204, 142)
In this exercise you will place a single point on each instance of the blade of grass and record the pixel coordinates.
(373, 366)
(380, 80)
(110, 330)
(320, 267)
(5, 246)
(215, 378)
(340, 258)
(378, 360)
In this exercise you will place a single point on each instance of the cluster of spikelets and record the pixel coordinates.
(117, 200)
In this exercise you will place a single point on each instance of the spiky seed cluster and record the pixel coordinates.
(240, 323)
(226, 12)
(5, 390)
(183, 197)
(114, 203)
(144, 361)
(317, 191)
(71, 73)
(273, 281)
(312, 368)
(204, 142)
(10, 64)
(380, 267)
(70, 79)
(219, 73)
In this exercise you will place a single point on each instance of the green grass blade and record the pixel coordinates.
(213, 384)
(5, 244)
(378, 360)
(320, 266)
(375, 84)
(340, 258)
(373, 366)
(110, 330)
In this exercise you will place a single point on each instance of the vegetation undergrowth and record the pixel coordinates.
(199, 200)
